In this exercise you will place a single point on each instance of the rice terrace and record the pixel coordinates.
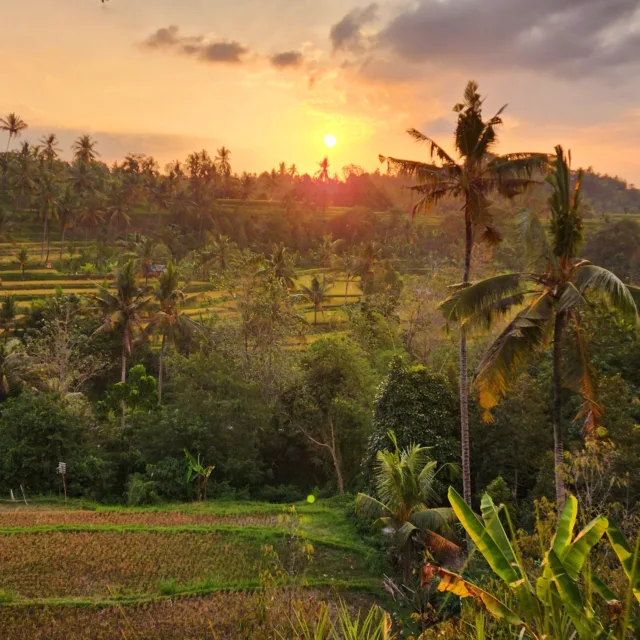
(320, 321)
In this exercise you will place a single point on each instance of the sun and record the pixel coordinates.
(330, 140)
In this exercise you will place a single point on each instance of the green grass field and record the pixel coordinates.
(68, 569)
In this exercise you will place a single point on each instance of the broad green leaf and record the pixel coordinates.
(482, 539)
(625, 555)
(602, 589)
(496, 530)
(570, 597)
(575, 555)
(566, 524)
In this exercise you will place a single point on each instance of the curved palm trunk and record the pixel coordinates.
(464, 375)
(44, 235)
(64, 231)
(558, 442)
(315, 315)
(161, 369)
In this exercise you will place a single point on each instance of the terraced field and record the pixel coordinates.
(171, 570)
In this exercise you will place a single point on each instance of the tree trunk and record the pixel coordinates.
(315, 315)
(64, 230)
(334, 455)
(464, 376)
(44, 235)
(346, 291)
(123, 374)
(558, 443)
(161, 369)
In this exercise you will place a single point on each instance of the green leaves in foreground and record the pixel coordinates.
(558, 599)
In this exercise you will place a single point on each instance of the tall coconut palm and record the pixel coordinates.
(326, 251)
(49, 149)
(22, 258)
(67, 212)
(550, 300)
(167, 319)
(475, 176)
(223, 163)
(118, 207)
(122, 310)
(84, 149)
(14, 125)
(316, 294)
(48, 195)
(405, 483)
(322, 174)
(223, 249)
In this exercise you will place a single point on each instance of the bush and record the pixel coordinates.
(286, 493)
(168, 477)
(141, 491)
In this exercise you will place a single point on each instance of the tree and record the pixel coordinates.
(477, 175)
(420, 407)
(167, 319)
(322, 174)
(223, 165)
(223, 249)
(22, 258)
(67, 211)
(279, 266)
(405, 480)
(347, 265)
(8, 313)
(84, 149)
(48, 195)
(201, 474)
(14, 125)
(316, 294)
(552, 299)
(122, 310)
(335, 373)
(50, 150)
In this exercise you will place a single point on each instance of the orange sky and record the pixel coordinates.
(361, 72)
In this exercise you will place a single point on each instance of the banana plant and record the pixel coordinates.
(201, 473)
(630, 562)
(551, 607)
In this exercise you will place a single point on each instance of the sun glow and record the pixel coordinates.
(330, 140)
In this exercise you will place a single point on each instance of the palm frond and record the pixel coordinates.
(569, 297)
(420, 171)
(437, 520)
(580, 376)
(426, 480)
(369, 507)
(440, 546)
(590, 276)
(405, 532)
(474, 300)
(434, 148)
(535, 239)
(523, 337)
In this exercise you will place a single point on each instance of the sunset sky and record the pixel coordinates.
(270, 78)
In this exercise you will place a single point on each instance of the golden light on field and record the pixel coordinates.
(330, 140)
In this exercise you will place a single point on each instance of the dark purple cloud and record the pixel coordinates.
(287, 60)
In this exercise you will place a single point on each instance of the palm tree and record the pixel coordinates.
(84, 149)
(405, 483)
(222, 161)
(22, 258)
(222, 249)
(48, 195)
(118, 207)
(122, 310)
(8, 313)
(247, 184)
(475, 177)
(50, 150)
(145, 251)
(316, 294)
(13, 366)
(67, 211)
(91, 215)
(279, 267)
(293, 171)
(14, 125)
(347, 264)
(551, 300)
(322, 174)
(167, 319)
(326, 250)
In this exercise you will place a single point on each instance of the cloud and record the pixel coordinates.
(170, 39)
(287, 60)
(347, 34)
(563, 37)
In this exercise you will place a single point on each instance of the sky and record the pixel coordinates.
(269, 79)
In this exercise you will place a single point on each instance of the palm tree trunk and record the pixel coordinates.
(64, 230)
(346, 291)
(161, 369)
(44, 235)
(558, 442)
(315, 315)
(123, 373)
(464, 375)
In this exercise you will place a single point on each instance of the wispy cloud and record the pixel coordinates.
(347, 33)
(287, 60)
